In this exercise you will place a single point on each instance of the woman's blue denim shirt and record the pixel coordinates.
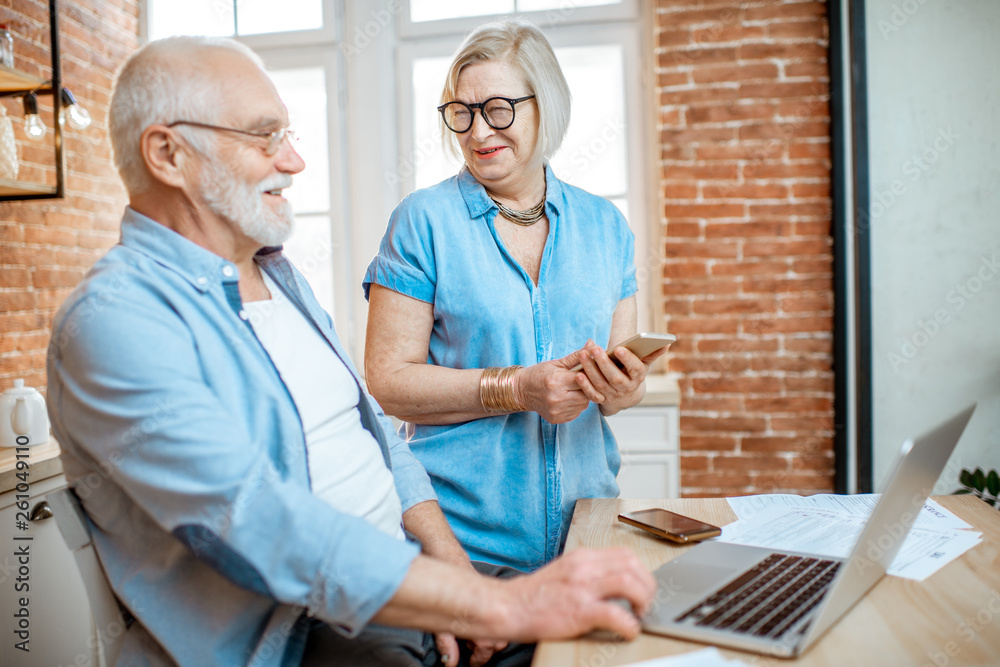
(508, 484)
(188, 454)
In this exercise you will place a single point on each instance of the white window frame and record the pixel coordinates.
(332, 20)
(545, 19)
(323, 56)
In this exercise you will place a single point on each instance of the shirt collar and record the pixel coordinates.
(479, 202)
(201, 267)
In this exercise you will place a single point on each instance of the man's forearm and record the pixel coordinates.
(427, 523)
(568, 597)
(438, 596)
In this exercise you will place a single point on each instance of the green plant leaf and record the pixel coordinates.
(965, 478)
(959, 492)
(979, 479)
(993, 483)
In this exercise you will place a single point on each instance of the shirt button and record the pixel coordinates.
(227, 271)
(202, 280)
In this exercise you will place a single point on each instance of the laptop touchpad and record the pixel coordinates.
(695, 580)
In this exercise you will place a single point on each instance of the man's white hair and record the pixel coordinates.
(154, 86)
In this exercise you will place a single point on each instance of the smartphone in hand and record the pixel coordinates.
(641, 345)
(670, 525)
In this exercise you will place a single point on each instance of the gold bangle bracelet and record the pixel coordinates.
(496, 389)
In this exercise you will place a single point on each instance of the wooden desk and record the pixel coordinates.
(952, 618)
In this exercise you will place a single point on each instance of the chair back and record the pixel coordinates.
(109, 624)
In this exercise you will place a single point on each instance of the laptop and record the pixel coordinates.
(780, 603)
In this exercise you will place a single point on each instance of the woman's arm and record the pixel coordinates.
(405, 385)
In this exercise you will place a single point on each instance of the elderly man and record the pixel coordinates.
(248, 498)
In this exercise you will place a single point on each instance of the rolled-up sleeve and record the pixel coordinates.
(405, 262)
(128, 389)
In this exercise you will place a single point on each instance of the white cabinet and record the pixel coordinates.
(648, 441)
(57, 612)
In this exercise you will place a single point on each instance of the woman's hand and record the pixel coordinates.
(551, 389)
(604, 383)
(481, 650)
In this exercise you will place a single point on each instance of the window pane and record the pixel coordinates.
(428, 161)
(190, 17)
(303, 91)
(593, 154)
(433, 10)
(255, 17)
(311, 250)
(561, 5)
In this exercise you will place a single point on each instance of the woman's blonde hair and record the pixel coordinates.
(523, 46)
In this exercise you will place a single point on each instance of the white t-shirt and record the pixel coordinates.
(346, 466)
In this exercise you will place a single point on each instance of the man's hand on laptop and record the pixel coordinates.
(576, 593)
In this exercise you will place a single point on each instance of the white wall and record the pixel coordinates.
(934, 122)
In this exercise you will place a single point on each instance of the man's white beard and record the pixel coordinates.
(241, 204)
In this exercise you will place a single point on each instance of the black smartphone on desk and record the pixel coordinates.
(670, 525)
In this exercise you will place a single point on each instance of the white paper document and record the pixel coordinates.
(833, 533)
(862, 504)
(708, 657)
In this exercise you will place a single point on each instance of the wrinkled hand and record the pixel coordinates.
(482, 649)
(447, 643)
(604, 383)
(573, 595)
(551, 389)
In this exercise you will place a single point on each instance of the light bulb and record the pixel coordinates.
(79, 119)
(34, 128)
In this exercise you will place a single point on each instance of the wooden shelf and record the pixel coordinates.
(10, 188)
(11, 79)
(12, 83)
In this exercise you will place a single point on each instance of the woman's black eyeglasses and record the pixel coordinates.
(498, 112)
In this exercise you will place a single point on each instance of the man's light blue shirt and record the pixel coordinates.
(508, 484)
(188, 454)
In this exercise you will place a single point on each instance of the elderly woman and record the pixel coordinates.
(488, 289)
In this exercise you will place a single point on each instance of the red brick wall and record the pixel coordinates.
(47, 245)
(743, 94)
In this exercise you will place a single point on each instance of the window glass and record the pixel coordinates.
(255, 17)
(428, 161)
(190, 17)
(310, 249)
(433, 10)
(224, 18)
(564, 6)
(593, 153)
(303, 91)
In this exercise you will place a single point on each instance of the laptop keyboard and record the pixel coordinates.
(767, 599)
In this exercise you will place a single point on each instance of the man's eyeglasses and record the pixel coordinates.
(498, 112)
(274, 139)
